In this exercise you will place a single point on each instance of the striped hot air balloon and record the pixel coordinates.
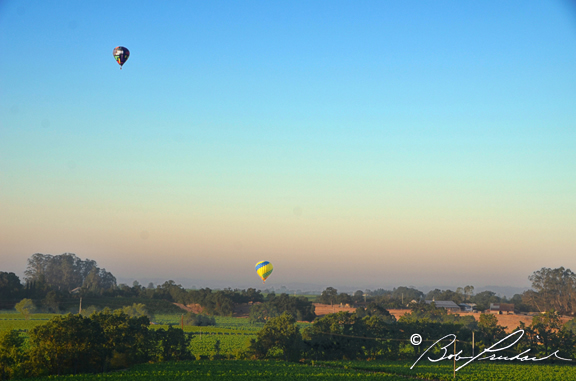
(264, 269)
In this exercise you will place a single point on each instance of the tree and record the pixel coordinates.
(137, 310)
(437, 295)
(66, 272)
(570, 325)
(297, 306)
(128, 340)
(358, 296)
(344, 298)
(25, 307)
(483, 300)
(329, 296)
(337, 336)
(12, 355)
(375, 309)
(67, 344)
(553, 289)
(172, 344)
(407, 294)
(280, 337)
(468, 292)
(97, 281)
(489, 330)
(10, 289)
(545, 326)
(262, 312)
(52, 301)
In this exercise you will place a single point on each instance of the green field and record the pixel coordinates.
(233, 334)
(338, 370)
(233, 370)
(478, 371)
(14, 320)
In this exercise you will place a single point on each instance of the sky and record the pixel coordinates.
(352, 144)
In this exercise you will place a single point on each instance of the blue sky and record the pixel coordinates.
(371, 143)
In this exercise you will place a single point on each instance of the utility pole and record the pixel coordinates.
(80, 309)
(454, 357)
(472, 343)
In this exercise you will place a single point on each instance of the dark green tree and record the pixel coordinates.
(128, 340)
(67, 344)
(172, 344)
(280, 337)
(489, 331)
(337, 336)
(329, 296)
(262, 312)
(52, 301)
(11, 290)
(484, 299)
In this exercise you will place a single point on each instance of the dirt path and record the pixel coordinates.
(196, 308)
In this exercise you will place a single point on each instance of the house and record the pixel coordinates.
(499, 308)
(76, 290)
(467, 307)
(446, 304)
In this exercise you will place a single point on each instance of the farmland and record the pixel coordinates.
(230, 335)
(13, 320)
(338, 370)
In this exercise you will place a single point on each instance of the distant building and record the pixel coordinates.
(500, 308)
(467, 307)
(413, 301)
(76, 290)
(446, 304)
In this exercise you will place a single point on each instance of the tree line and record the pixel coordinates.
(369, 336)
(54, 281)
(552, 289)
(71, 344)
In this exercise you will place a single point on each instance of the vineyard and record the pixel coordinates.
(232, 370)
(11, 320)
(478, 371)
(338, 370)
(230, 336)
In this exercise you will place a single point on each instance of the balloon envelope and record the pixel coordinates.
(264, 269)
(121, 55)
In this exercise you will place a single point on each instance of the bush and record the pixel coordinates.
(198, 320)
(25, 307)
(12, 355)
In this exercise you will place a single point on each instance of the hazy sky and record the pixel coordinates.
(350, 143)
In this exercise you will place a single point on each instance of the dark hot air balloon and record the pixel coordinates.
(121, 55)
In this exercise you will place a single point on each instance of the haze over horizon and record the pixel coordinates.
(393, 143)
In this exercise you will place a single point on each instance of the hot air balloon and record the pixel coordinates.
(121, 55)
(264, 269)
